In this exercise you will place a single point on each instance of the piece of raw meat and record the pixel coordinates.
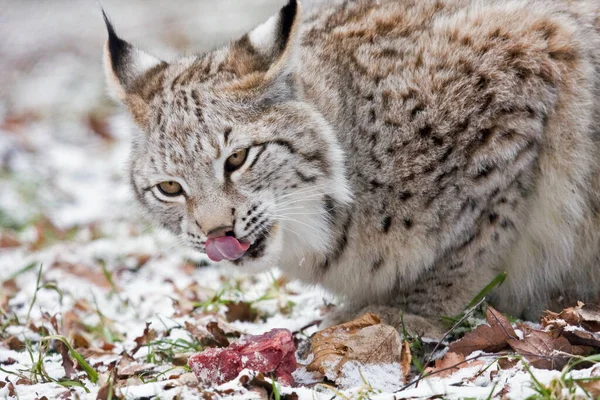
(273, 353)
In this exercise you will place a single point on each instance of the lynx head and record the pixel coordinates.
(226, 153)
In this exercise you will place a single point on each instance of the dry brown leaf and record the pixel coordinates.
(405, 360)
(83, 305)
(377, 344)
(264, 388)
(450, 363)
(181, 359)
(585, 315)
(14, 343)
(507, 363)
(86, 272)
(147, 336)
(67, 395)
(590, 316)
(240, 311)
(67, 363)
(447, 365)
(127, 368)
(10, 387)
(8, 361)
(71, 322)
(8, 289)
(11, 390)
(107, 346)
(500, 322)
(99, 125)
(94, 353)
(488, 338)
(218, 334)
(363, 340)
(195, 331)
(581, 337)
(24, 381)
(591, 386)
(9, 241)
(329, 343)
(80, 341)
(542, 350)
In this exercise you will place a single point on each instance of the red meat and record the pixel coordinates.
(271, 353)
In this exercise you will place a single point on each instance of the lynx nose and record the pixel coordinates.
(220, 232)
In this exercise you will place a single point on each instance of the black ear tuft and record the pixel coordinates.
(118, 49)
(287, 18)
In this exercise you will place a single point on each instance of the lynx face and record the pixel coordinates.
(226, 154)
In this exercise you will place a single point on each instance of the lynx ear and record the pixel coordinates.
(277, 38)
(123, 63)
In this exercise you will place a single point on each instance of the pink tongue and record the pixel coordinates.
(225, 248)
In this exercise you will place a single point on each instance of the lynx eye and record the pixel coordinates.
(236, 160)
(170, 188)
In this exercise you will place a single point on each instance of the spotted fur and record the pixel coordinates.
(401, 153)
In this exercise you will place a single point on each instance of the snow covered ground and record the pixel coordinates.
(77, 261)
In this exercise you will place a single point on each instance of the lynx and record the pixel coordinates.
(399, 153)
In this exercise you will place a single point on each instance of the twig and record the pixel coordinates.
(460, 321)
(312, 323)
(502, 326)
(420, 378)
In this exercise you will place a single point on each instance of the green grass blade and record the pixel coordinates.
(90, 372)
(23, 270)
(69, 384)
(497, 281)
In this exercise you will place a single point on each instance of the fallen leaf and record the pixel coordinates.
(218, 334)
(585, 315)
(67, 395)
(208, 338)
(581, 337)
(260, 382)
(100, 127)
(450, 363)
(499, 321)
(542, 350)
(488, 338)
(127, 368)
(240, 311)
(108, 390)
(590, 317)
(24, 381)
(9, 241)
(79, 341)
(8, 290)
(364, 340)
(377, 344)
(14, 343)
(147, 336)
(71, 322)
(11, 390)
(107, 346)
(507, 363)
(447, 365)
(181, 359)
(94, 353)
(592, 386)
(86, 272)
(405, 360)
(67, 363)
